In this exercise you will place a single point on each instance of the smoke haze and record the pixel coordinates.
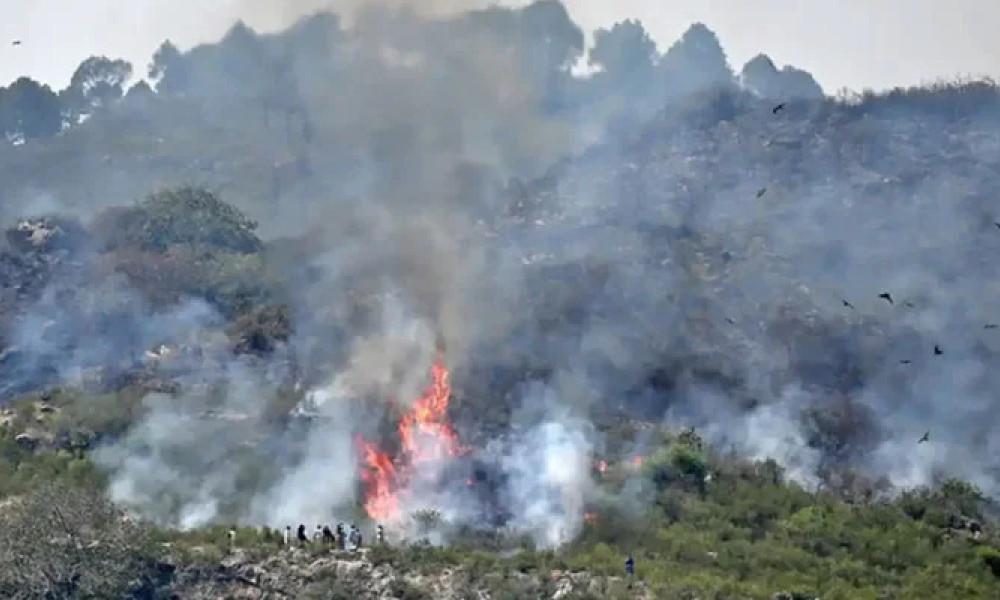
(852, 44)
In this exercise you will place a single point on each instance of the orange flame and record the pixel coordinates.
(425, 432)
(379, 478)
(425, 436)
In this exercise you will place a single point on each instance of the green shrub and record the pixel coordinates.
(990, 556)
(187, 216)
(22, 470)
(678, 463)
(403, 590)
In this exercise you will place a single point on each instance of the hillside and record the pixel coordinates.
(417, 272)
(698, 524)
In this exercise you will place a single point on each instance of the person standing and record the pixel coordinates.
(341, 539)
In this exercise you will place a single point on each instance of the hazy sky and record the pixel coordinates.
(852, 43)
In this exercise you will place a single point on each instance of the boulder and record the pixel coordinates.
(26, 441)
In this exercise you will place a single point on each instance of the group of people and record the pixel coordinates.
(340, 539)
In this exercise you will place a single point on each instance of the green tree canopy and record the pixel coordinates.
(29, 109)
(185, 215)
(97, 82)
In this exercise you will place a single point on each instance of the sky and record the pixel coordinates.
(855, 44)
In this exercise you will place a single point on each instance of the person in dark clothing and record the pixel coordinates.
(341, 540)
(328, 535)
(301, 535)
(976, 529)
(380, 535)
(630, 569)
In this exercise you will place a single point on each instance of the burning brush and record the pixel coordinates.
(427, 440)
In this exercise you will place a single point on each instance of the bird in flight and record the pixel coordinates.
(778, 108)
(16, 43)
(909, 304)
(905, 361)
(887, 297)
(925, 438)
(848, 304)
(761, 192)
(991, 326)
(937, 350)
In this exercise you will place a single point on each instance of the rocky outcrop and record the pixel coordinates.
(298, 573)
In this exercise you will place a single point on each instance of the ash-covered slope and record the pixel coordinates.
(306, 574)
(742, 253)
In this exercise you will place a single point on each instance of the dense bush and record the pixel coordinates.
(68, 541)
(746, 534)
(22, 470)
(231, 282)
(187, 216)
(260, 331)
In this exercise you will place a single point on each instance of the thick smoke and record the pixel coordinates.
(432, 185)
(548, 460)
(193, 457)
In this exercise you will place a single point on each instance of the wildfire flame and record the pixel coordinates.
(379, 478)
(425, 432)
(425, 436)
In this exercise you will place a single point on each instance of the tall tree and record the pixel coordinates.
(167, 68)
(551, 43)
(624, 50)
(763, 78)
(97, 82)
(695, 62)
(29, 109)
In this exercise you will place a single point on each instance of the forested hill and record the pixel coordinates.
(320, 109)
(632, 300)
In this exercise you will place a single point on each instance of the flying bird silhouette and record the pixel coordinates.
(909, 304)
(848, 304)
(887, 297)
(730, 321)
(16, 43)
(761, 192)
(991, 326)
(905, 361)
(925, 438)
(937, 350)
(778, 108)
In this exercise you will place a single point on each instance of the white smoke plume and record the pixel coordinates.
(549, 467)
